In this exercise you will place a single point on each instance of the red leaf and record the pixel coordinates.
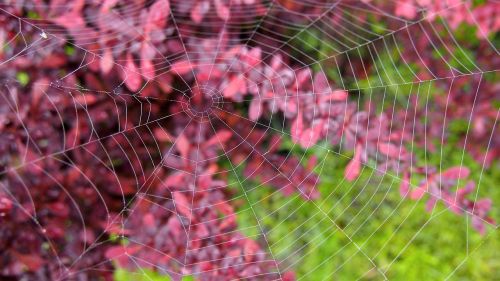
(289, 276)
(5, 205)
(32, 262)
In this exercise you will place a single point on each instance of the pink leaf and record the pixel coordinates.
(182, 204)
(419, 192)
(289, 276)
(235, 86)
(132, 78)
(254, 57)
(183, 146)
(390, 150)
(311, 136)
(430, 204)
(199, 11)
(337, 95)
(404, 188)
(158, 14)
(149, 220)
(276, 62)
(312, 162)
(255, 109)
(182, 67)
(120, 253)
(114, 252)
(225, 208)
(250, 249)
(202, 231)
(147, 69)
(222, 137)
(162, 135)
(174, 226)
(456, 173)
(406, 9)
(5, 205)
(107, 5)
(354, 167)
(478, 225)
(297, 128)
(175, 180)
(304, 76)
(147, 66)
(106, 62)
(321, 83)
(222, 11)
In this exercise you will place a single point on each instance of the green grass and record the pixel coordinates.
(364, 230)
(143, 275)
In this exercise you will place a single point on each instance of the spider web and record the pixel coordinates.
(334, 218)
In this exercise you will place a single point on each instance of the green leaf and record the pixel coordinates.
(69, 50)
(23, 78)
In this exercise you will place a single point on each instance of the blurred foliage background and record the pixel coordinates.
(355, 226)
(365, 230)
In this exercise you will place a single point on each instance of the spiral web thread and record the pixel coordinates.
(140, 130)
